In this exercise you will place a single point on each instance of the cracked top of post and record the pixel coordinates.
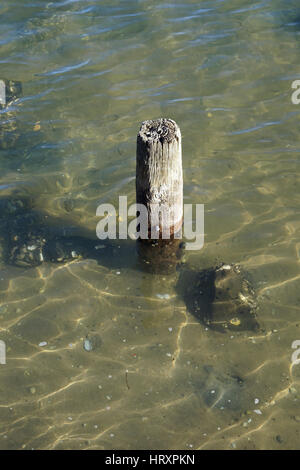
(164, 130)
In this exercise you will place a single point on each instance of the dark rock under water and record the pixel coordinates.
(221, 297)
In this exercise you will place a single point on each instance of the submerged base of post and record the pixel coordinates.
(160, 256)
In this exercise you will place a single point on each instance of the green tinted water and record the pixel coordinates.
(155, 377)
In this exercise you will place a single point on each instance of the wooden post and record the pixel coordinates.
(159, 175)
(159, 188)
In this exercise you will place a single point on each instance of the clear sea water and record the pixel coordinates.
(155, 377)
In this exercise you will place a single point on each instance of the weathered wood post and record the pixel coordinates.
(159, 188)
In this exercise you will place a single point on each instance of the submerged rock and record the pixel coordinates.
(21, 232)
(87, 345)
(28, 254)
(222, 298)
(92, 342)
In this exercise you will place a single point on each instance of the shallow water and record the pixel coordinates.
(125, 364)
